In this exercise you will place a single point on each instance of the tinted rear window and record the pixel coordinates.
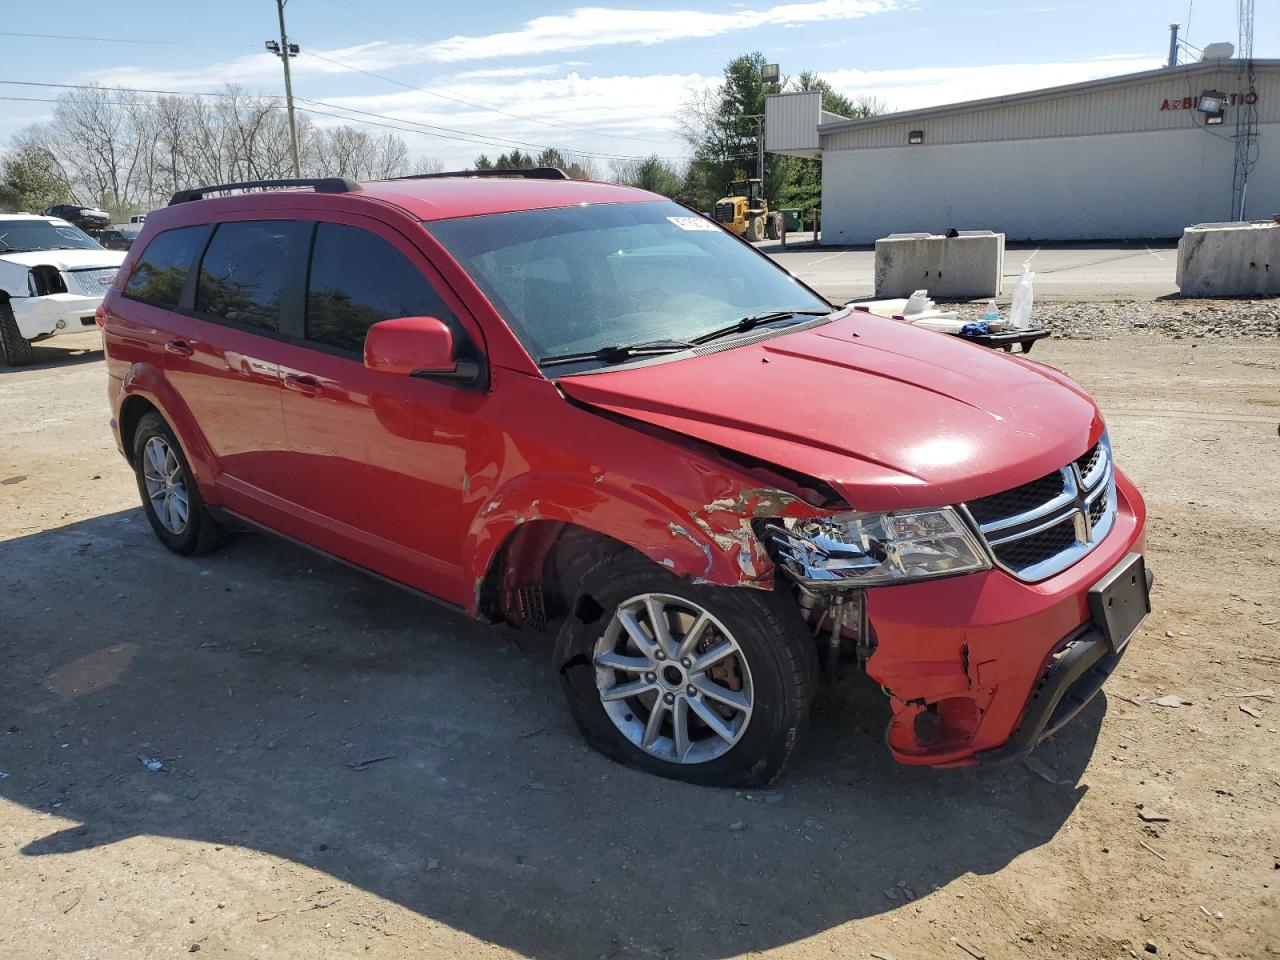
(242, 276)
(160, 274)
(358, 279)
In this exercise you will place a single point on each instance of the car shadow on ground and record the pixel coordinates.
(262, 676)
(44, 356)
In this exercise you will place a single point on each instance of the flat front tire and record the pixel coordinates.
(710, 685)
(170, 497)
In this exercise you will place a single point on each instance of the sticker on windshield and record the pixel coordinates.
(693, 223)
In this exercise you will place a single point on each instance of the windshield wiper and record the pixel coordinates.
(754, 320)
(619, 352)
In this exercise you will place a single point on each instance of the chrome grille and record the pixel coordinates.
(1043, 527)
(93, 282)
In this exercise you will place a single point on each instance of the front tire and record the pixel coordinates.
(755, 229)
(710, 685)
(170, 497)
(13, 345)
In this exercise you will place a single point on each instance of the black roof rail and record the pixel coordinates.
(318, 184)
(525, 173)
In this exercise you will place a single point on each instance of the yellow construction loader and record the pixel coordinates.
(745, 211)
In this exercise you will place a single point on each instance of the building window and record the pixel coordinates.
(915, 136)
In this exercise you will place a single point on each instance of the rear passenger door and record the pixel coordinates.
(379, 459)
(224, 355)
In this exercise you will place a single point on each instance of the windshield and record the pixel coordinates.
(579, 279)
(20, 235)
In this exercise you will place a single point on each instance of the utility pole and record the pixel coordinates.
(1173, 45)
(284, 50)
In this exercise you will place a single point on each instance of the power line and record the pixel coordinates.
(482, 139)
(445, 133)
(480, 103)
(68, 36)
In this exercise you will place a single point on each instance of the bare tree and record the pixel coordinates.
(130, 155)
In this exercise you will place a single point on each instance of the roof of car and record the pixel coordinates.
(31, 216)
(445, 197)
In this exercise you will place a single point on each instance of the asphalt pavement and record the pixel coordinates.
(1077, 271)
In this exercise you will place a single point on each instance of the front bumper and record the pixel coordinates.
(981, 668)
(53, 315)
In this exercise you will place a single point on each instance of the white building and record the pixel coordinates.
(1126, 157)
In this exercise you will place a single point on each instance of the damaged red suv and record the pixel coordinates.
(580, 408)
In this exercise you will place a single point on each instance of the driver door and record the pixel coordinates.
(379, 459)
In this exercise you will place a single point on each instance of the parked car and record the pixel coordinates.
(117, 239)
(52, 278)
(577, 407)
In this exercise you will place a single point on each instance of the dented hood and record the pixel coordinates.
(890, 415)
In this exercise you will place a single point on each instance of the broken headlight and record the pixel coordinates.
(874, 549)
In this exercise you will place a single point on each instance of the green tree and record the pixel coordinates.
(515, 160)
(31, 179)
(653, 174)
(838, 103)
(722, 126)
(483, 163)
(575, 169)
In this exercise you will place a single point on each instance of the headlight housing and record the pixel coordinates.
(876, 549)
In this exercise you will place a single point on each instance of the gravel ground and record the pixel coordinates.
(260, 754)
(1179, 319)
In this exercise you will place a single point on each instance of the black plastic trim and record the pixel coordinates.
(1073, 677)
(318, 184)
(522, 173)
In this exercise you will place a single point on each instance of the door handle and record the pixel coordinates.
(304, 384)
(180, 347)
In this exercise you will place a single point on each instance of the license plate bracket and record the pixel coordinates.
(1120, 601)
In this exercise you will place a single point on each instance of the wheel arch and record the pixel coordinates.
(522, 532)
(145, 389)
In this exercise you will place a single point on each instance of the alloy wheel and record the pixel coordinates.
(673, 679)
(166, 483)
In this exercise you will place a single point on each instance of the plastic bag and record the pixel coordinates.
(1023, 297)
(918, 302)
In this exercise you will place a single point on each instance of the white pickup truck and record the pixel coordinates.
(52, 277)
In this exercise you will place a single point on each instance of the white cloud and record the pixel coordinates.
(558, 105)
(913, 87)
(586, 27)
(497, 73)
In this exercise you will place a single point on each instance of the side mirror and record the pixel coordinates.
(416, 347)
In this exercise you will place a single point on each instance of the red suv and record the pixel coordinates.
(581, 408)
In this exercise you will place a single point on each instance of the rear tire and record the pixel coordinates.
(774, 228)
(750, 670)
(13, 345)
(170, 496)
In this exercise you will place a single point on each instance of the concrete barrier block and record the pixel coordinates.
(964, 267)
(1229, 260)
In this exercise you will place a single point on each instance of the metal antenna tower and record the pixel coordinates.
(1246, 136)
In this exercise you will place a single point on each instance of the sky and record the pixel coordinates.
(459, 79)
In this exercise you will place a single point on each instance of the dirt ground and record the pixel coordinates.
(259, 675)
